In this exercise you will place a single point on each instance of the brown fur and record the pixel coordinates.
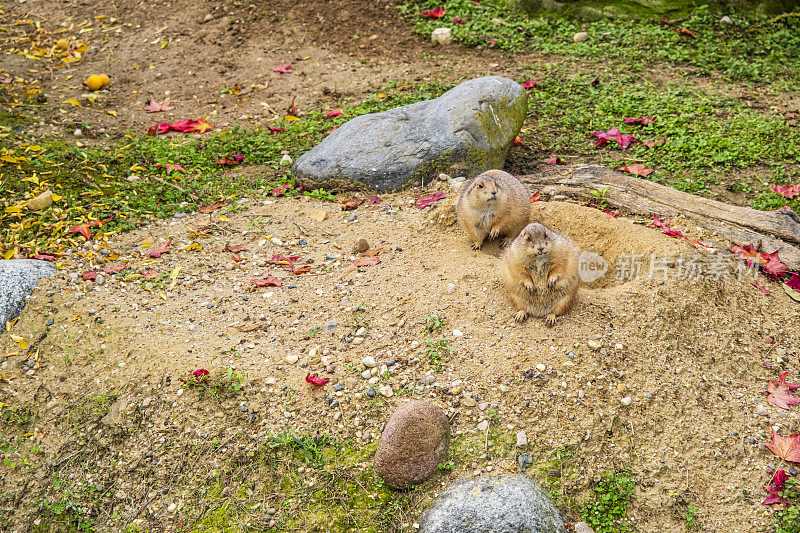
(491, 204)
(540, 272)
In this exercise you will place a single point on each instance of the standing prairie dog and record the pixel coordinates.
(540, 272)
(493, 203)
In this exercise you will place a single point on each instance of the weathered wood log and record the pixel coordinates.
(771, 230)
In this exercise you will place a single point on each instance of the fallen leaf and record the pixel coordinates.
(774, 268)
(83, 229)
(236, 248)
(275, 131)
(518, 141)
(637, 169)
(373, 200)
(789, 191)
(640, 120)
(43, 257)
(794, 281)
(673, 233)
(170, 167)
(155, 107)
(269, 281)
(555, 161)
(185, 125)
(292, 110)
(349, 205)
(658, 223)
(775, 489)
(90, 275)
(684, 31)
(283, 69)
(279, 259)
(424, 201)
(437, 13)
(333, 113)
(194, 247)
(780, 392)
(458, 20)
(367, 261)
(316, 380)
(235, 257)
(759, 287)
(787, 448)
(653, 144)
(613, 214)
(156, 252)
(211, 208)
(612, 135)
(21, 344)
(230, 159)
(791, 293)
(150, 274)
(536, 196)
(530, 84)
(201, 374)
(73, 102)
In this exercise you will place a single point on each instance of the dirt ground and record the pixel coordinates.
(690, 358)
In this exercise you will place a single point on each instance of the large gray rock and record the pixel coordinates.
(18, 277)
(413, 444)
(496, 504)
(466, 131)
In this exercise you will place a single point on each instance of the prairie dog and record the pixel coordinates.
(540, 272)
(491, 204)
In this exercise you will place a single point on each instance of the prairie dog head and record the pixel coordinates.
(483, 190)
(535, 240)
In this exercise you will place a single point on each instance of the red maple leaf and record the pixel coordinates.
(775, 489)
(555, 161)
(230, 160)
(673, 233)
(536, 196)
(292, 109)
(637, 169)
(612, 135)
(748, 253)
(610, 213)
(170, 167)
(774, 268)
(787, 448)
(275, 131)
(373, 200)
(761, 288)
(236, 248)
(789, 191)
(83, 229)
(367, 261)
(458, 20)
(424, 201)
(269, 281)
(517, 141)
(434, 13)
(211, 208)
(201, 374)
(283, 69)
(280, 189)
(640, 120)
(530, 84)
(149, 274)
(43, 257)
(349, 205)
(316, 380)
(794, 281)
(159, 129)
(653, 144)
(333, 113)
(114, 269)
(90, 275)
(155, 107)
(658, 223)
(156, 252)
(780, 392)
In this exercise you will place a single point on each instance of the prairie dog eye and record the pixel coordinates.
(480, 185)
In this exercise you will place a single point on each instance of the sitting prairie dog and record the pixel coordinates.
(493, 203)
(540, 272)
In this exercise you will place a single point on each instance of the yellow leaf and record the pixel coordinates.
(194, 247)
(223, 217)
(9, 254)
(164, 296)
(57, 197)
(290, 118)
(33, 179)
(20, 342)
(68, 77)
(73, 102)
(112, 112)
(33, 148)
(174, 277)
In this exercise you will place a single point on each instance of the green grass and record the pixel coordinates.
(788, 518)
(607, 513)
(753, 48)
(119, 177)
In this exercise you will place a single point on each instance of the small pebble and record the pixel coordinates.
(291, 359)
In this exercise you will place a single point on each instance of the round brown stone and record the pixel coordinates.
(414, 442)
